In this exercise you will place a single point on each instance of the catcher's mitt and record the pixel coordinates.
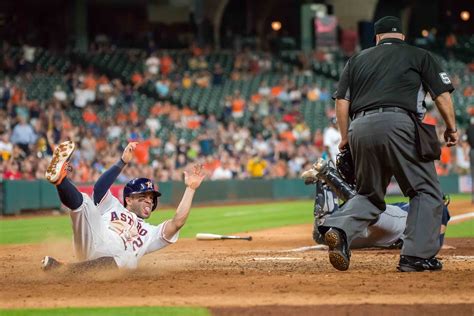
(345, 165)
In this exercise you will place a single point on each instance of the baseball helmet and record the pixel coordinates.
(140, 185)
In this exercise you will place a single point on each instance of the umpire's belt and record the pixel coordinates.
(380, 110)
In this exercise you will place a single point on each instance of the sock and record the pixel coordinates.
(69, 195)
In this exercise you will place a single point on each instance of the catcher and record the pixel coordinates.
(108, 234)
(387, 231)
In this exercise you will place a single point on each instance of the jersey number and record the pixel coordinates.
(137, 243)
(445, 78)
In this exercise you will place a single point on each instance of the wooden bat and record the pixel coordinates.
(206, 236)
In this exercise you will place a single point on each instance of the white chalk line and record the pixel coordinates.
(276, 258)
(308, 248)
(460, 217)
(460, 258)
(300, 249)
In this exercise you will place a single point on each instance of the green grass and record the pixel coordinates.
(109, 311)
(462, 229)
(218, 220)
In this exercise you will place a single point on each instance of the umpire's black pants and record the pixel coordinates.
(383, 145)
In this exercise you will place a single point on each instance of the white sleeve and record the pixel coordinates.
(158, 240)
(326, 138)
(108, 202)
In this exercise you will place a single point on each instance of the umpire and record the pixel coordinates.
(379, 88)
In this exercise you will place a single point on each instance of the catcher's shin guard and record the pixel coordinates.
(325, 203)
(332, 178)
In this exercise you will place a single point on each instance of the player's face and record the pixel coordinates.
(141, 204)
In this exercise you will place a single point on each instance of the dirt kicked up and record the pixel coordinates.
(275, 274)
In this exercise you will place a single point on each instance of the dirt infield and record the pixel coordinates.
(265, 276)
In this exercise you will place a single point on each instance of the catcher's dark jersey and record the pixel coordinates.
(392, 73)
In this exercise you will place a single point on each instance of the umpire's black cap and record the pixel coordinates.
(388, 24)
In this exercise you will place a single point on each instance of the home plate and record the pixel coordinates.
(276, 259)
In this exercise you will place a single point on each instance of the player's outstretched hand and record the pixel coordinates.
(194, 178)
(127, 155)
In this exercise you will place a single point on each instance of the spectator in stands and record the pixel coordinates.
(23, 134)
(256, 167)
(261, 145)
(206, 143)
(12, 171)
(217, 75)
(152, 64)
(187, 81)
(60, 94)
(223, 172)
(238, 105)
(332, 138)
(166, 65)
(162, 87)
(6, 147)
(462, 156)
(203, 79)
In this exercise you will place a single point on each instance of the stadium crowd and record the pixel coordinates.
(266, 147)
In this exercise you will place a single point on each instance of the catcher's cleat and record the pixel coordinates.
(49, 263)
(339, 253)
(415, 264)
(396, 245)
(309, 176)
(58, 167)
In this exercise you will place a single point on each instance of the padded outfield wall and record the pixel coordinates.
(19, 195)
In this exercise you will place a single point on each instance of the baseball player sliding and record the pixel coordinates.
(387, 231)
(108, 234)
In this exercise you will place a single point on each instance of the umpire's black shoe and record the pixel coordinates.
(339, 253)
(415, 264)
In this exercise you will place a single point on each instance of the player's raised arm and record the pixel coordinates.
(108, 178)
(192, 180)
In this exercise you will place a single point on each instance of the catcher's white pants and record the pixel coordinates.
(386, 231)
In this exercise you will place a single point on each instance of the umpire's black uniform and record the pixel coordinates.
(383, 85)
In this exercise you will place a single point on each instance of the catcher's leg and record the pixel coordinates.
(386, 232)
(325, 203)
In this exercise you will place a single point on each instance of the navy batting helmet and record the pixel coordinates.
(140, 185)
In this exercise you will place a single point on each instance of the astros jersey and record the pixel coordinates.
(134, 236)
(110, 230)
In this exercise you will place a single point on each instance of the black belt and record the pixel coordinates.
(380, 110)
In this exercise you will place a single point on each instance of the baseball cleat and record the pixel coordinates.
(49, 263)
(58, 167)
(415, 264)
(339, 253)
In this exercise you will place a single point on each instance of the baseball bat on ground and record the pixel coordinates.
(206, 236)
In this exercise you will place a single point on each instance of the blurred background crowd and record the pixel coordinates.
(243, 111)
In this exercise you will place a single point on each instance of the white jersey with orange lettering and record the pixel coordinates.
(110, 230)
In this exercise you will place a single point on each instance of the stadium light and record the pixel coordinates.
(276, 26)
(424, 33)
(465, 15)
